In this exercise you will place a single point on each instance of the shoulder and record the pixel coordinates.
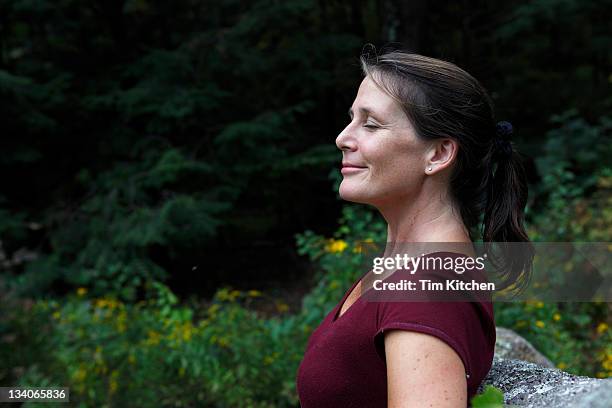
(460, 336)
(465, 326)
(435, 367)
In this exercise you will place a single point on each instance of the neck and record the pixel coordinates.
(428, 218)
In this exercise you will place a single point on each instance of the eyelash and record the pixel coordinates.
(369, 125)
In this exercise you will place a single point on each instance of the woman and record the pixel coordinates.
(423, 148)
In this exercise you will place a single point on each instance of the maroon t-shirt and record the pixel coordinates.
(344, 363)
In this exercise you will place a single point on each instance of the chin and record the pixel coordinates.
(354, 194)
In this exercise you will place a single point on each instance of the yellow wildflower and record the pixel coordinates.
(223, 342)
(226, 294)
(367, 246)
(282, 307)
(212, 310)
(108, 303)
(153, 338)
(540, 324)
(556, 317)
(222, 294)
(187, 331)
(540, 305)
(113, 385)
(81, 291)
(335, 246)
(121, 322)
(562, 366)
(602, 327)
(254, 293)
(79, 375)
(607, 364)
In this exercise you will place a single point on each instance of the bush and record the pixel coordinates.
(154, 354)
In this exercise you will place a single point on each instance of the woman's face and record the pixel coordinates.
(383, 160)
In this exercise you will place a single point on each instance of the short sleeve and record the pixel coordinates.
(467, 327)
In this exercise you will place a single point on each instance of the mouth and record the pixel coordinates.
(349, 168)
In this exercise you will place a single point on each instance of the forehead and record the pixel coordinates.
(371, 98)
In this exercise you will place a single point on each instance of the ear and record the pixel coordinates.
(441, 155)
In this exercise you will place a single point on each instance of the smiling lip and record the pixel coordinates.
(348, 168)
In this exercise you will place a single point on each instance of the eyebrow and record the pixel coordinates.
(365, 110)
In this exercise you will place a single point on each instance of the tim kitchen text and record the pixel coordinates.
(427, 284)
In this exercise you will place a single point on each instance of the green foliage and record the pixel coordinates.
(576, 182)
(164, 135)
(491, 397)
(338, 259)
(575, 336)
(558, 49)
(12, 225)
(137, 207)
(154, 353)
(111, 352)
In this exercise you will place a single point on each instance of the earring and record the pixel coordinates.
(429, 168)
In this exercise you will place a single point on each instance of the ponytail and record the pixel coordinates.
(504, 212)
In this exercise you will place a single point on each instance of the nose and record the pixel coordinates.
(345, 141)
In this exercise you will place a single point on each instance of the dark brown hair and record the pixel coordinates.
(488, 181)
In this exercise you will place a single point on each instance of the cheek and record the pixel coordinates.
(396, 163)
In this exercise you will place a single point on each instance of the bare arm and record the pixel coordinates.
(423, 371)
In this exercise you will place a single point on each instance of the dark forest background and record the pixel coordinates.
(177, 148)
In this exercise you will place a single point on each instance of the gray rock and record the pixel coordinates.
(530, 385)
(510, 345)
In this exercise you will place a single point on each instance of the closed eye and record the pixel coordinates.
(371, 126)
(367, 125)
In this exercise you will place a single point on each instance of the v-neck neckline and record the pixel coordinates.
(337, 315)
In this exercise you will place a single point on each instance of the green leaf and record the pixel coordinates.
(492, 397)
